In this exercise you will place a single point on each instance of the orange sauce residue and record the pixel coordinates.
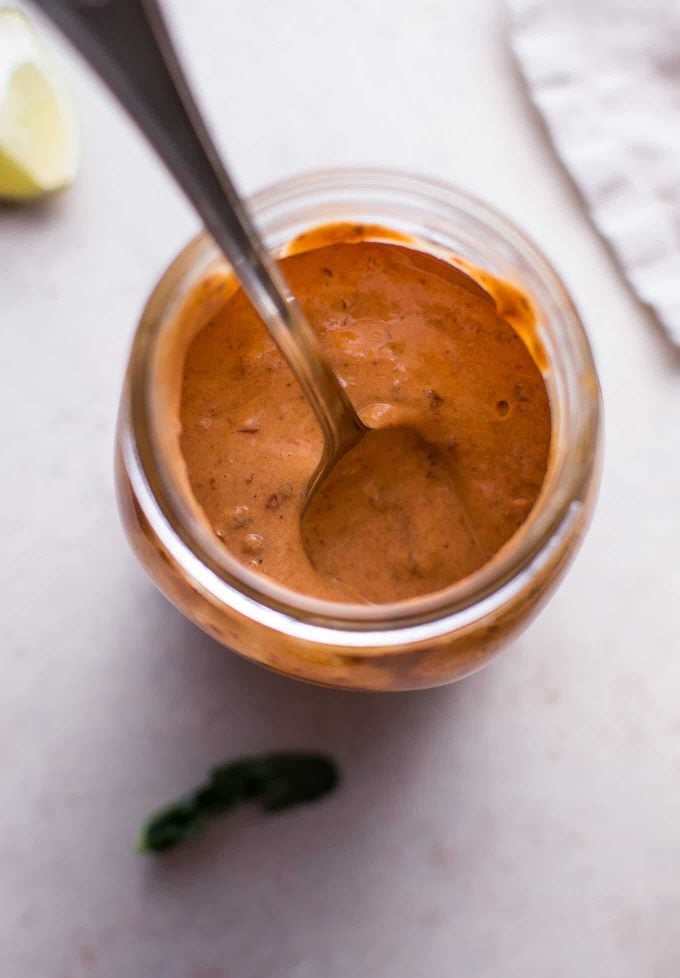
(513, 305)
(345, 231)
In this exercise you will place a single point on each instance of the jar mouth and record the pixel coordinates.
(437, 217)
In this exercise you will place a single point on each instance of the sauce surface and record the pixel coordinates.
(418, 344)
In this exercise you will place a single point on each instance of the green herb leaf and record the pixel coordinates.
(169, 827)
(277, 781)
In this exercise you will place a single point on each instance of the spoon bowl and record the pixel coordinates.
(394, 494)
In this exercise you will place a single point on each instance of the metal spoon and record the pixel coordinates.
(128, 45)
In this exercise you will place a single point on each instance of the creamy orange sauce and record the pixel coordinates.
(420, 346)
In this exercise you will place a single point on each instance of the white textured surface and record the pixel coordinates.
(524, 822)
(605, 75)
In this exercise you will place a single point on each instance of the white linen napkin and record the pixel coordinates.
(605, 74)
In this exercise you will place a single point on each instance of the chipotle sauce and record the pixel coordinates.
(419, 345)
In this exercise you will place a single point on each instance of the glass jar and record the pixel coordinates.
(420, 642)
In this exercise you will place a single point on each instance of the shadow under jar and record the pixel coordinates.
(420, 642)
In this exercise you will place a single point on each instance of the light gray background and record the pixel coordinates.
(524, 822)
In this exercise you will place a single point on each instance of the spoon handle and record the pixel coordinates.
(128, 45)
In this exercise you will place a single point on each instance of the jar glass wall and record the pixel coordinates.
(423, 641)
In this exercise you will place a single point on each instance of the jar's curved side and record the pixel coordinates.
(402, 666)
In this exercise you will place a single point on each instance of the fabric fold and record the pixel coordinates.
(605, 76)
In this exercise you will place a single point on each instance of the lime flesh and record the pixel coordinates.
(38, 139)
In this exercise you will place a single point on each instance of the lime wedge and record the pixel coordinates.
(38, 136)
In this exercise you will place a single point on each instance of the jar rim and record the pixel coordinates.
(220, 575)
